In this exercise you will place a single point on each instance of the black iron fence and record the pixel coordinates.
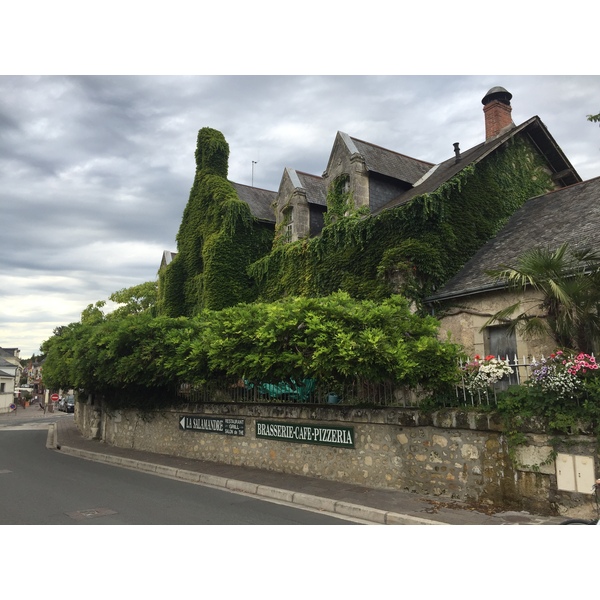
(306, 392)
(355, 392)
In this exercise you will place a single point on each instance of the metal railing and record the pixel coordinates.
(356, 392)
(488, 396)
(351, 393)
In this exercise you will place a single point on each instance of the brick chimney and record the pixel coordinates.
(497, 109)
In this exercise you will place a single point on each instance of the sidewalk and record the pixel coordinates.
(372, 505)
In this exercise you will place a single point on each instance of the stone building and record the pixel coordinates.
(570, 215)
(376, 178)
(364, 179)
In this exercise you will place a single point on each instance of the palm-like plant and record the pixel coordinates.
(569, 285)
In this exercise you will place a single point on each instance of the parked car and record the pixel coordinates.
(67, 404)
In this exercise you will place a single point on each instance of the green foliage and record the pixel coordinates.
(217, 239)
(212, 152)
(333, 338)
(171, 300)
(59, 371)
(339, 200)
(135, 300)
(431, 236)
(564, 413)
(594, 118)
(93, 313)
(138, 358)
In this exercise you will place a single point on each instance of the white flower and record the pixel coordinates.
(483, 374)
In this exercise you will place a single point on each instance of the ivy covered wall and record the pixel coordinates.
(218, 238)
(413, 248)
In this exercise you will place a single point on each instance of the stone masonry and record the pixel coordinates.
(448, 454)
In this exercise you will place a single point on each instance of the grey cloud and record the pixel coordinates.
(91, 165)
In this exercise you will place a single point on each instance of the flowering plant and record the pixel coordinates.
(479, 374)
(562, 373)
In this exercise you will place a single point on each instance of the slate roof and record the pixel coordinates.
(316, 190)
(569, 215)
(392, 164)
(258, 200)
(7, 364)
(10, 352)
(564, 173)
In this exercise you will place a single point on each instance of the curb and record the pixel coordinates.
(339, 507)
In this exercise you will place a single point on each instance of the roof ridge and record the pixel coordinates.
(308, 174)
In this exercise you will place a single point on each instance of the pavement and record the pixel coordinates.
(369, 505)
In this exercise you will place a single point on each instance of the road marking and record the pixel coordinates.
(24, 427)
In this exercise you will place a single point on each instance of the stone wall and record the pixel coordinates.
(448, 454)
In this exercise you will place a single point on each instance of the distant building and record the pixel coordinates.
(10, 375)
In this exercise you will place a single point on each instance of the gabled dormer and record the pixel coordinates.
(300, 205)
(370, 174)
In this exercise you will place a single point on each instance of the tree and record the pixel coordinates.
(135, 300)
(594, 118)
(334, 338)
(568, 281)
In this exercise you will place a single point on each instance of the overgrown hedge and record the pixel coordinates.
(139, 359)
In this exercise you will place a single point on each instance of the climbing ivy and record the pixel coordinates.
(413, 248)
(339, 200)
(218, 238)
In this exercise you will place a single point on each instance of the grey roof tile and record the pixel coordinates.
(392, 164)
(316, 191)
(258, 200)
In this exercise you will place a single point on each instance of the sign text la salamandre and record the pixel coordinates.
(222, 425)
(342, 437)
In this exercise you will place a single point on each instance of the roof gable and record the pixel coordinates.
(378, 160)
(563, 171)
(313, 186)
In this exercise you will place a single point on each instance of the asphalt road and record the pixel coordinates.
(39, 486)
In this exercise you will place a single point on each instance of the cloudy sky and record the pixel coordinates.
(96, 167)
